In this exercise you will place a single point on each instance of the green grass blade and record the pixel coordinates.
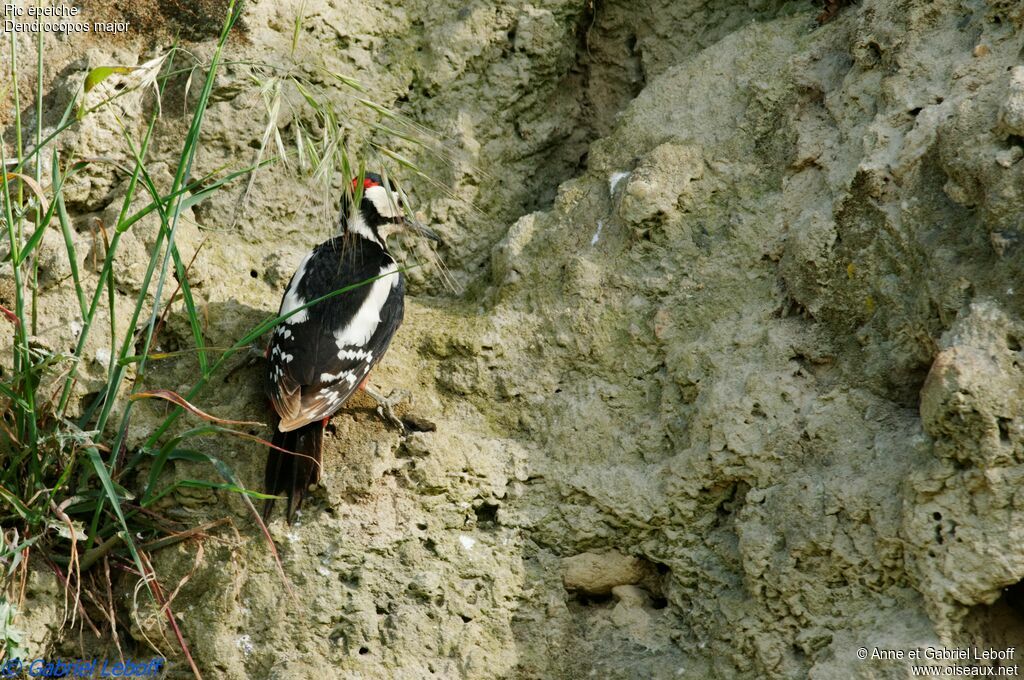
(25, 419)
(65, 229)
(114, 500)
(158, 465)
(10, 394)
(179, 266)
(201, 484)
(20, 508)
(184, 168)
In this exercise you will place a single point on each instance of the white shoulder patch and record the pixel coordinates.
(292, 300)
(365, 321)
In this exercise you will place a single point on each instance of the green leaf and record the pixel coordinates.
(101, 73)
(10, 394)
(18, 506)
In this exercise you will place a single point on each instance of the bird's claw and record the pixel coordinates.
(386, 405)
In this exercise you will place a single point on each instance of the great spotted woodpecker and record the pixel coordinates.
(320, 355)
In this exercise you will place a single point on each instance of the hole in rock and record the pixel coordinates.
(487, 513)
(1004, 430)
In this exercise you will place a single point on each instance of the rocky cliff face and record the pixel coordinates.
(732, 386)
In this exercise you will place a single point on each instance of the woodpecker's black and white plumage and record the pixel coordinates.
(322, 354)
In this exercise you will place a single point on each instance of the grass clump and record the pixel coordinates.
(65, 472)
(76, 494)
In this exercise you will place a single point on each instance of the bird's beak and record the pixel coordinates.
(414, 226)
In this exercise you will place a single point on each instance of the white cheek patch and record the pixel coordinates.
(357, 225)
(384, 201)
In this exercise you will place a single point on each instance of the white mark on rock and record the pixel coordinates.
(597, 234)
(103, 356)
(245, 644)
(467, 541)
(614, 180)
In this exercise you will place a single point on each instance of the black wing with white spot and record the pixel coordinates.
(319, 356)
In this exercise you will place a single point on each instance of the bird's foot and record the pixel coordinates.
(386, 405)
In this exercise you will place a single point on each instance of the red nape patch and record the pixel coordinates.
(367, 183)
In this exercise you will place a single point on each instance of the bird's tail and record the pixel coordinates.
(293, 474)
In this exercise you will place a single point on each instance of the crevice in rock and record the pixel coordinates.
(594, 600)
(731, 499)
(620, 47)
(999, 625)
(545, 106)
